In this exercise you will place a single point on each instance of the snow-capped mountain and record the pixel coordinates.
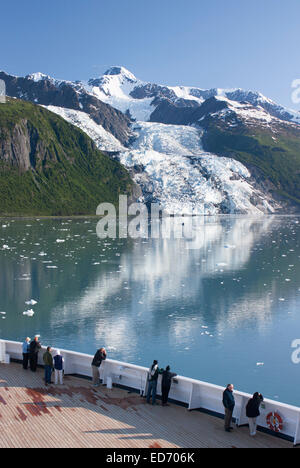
(143, 101)
(219, 150)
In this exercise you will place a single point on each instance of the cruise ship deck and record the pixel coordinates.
(76, 415)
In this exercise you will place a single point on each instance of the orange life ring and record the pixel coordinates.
(274, 422)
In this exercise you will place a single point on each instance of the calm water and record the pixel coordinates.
(225, 311)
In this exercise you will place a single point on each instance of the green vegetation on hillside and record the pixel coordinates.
(67, 174)
(276, 154)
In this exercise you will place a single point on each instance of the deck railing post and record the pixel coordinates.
(195, 397)
(241, 418)
(297, 432)
(2, 350)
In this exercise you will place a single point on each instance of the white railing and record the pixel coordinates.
(193, 393)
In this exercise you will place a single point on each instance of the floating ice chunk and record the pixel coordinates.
(5, 247)
(31, 302)
(59, 241)
(42, 254)
(51, 266)
(3, 313)
(111, 348)
(29, 313)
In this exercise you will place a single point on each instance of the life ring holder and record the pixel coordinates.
(274, 422)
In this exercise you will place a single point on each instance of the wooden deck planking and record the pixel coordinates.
(77, 415)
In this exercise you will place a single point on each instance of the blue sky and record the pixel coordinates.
(205, 43)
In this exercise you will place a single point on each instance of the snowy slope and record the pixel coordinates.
(103, 139)
(170, 165)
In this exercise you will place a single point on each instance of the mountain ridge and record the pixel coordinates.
(244, 156)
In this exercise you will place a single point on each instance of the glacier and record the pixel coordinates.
(170, 165)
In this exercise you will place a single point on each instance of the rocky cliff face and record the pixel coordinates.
(21, 147)
(50, 167)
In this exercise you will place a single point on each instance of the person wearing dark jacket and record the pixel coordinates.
(166, 381)
(96, 363)
(229, 404)
(58, 362)
(48, 362)
(252, 411)
(34, 348)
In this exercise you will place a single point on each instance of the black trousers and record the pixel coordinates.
(164, 394)
(33, 359)
(25, 360)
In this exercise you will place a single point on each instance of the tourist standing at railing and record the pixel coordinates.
(166, 382)
(58, 368)
(252, 411)
(96, 364)
(34, 348)
(25, 351)
(229, 404)
(152, 382)
(48, 361)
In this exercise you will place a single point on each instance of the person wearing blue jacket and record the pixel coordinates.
(25, 351)
(229, 404)
(153, 373)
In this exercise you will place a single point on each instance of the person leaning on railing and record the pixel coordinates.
(153, 373)
(96, 363)
(166, 382)
(252, 411)
(34, 348)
